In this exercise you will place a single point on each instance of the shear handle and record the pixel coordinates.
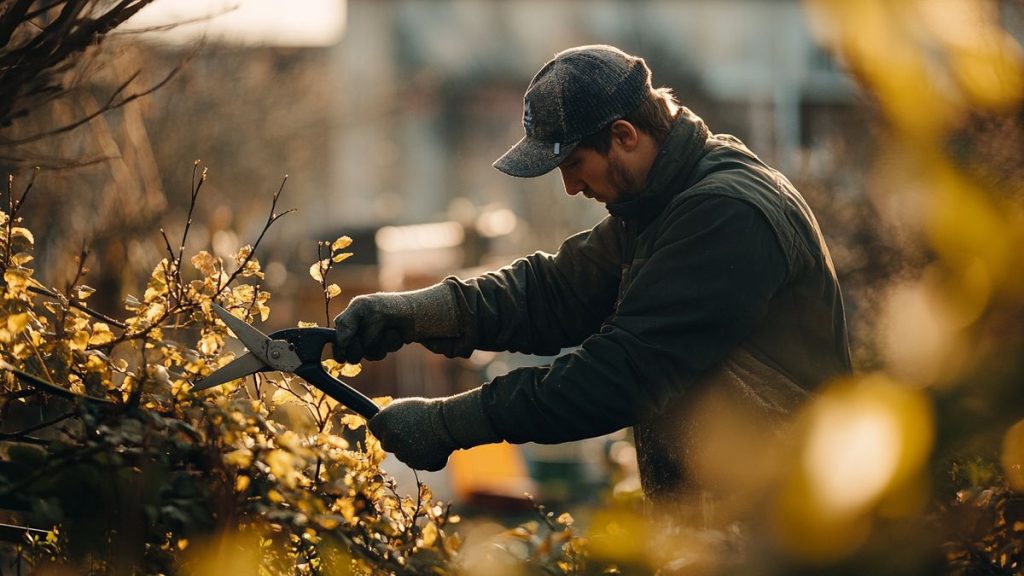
(308, 344)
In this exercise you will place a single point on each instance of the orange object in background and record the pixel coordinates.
(492, 476)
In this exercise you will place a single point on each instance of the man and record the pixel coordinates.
(709, 275)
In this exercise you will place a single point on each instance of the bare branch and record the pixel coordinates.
(36, 428)
(111, 104)
(273, 217)
(97, 315)
(49, 387)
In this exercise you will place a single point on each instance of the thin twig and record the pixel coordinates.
(111, 104)
(95, 314)
(79, 273)
(323, 277)
(196, 187)
(37, 427)
(273, 217)
(10, 219)
(135, 395)
(50, 387)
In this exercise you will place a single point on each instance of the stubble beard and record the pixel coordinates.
(622, 180)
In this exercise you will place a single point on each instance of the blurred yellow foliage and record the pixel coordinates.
(859, 440)
(925, 61)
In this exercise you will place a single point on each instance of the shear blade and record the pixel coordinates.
(252, 338)
(237, 368)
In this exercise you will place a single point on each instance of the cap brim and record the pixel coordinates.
(531, 157)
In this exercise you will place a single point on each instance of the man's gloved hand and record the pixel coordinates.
(374, 325)
(423, 432)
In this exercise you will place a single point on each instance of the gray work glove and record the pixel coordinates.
(423, 432)
(374, 325)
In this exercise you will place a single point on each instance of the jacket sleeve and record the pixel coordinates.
(542, 303)
(708, 281)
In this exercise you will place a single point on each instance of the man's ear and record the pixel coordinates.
(625, 135)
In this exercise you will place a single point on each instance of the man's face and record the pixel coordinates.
(602, 177)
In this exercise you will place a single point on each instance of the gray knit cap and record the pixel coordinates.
(577, 93)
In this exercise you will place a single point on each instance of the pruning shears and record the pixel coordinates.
(294, 350)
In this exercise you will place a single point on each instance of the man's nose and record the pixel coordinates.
(573, 186)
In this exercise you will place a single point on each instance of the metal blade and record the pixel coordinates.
(237, 368)
(253, 339)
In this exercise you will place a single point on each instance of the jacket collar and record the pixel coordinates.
(671, 170)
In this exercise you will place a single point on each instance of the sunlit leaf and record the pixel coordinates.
(428, 536)
(82, 291)
(353, 421)
(204, 262)
(80, 340)
(21, 258)
(16, 279)
(333, 290)
(244, 292)
(283, 396)
(341, 257)
(316, 271)
(101, 334)
(19, 232)
(341, 243)
(242, 254)
(17, 322)
(241, 458)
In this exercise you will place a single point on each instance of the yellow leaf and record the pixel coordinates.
(282, 465)
(316, 271)
(351, 370)
(353, 421)
(242, 254)
(244, 293)
(95, 363)
(154, 312)
(241, 483)
(241, 458)
(17, 322)
(210, 343)
(80, 340)
(17, 280)
(205, 262)
(333, 290)
(429, 536)
(182, 543)
(283, 396)
(347, 509)
(341, 257)
(252, 268)
(274, 496)
(19, 232)
(341, 243)
(304, 324)
(101, 334)
(21, 258)
(82, 292)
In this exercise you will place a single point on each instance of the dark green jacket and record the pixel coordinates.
(716, 276)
